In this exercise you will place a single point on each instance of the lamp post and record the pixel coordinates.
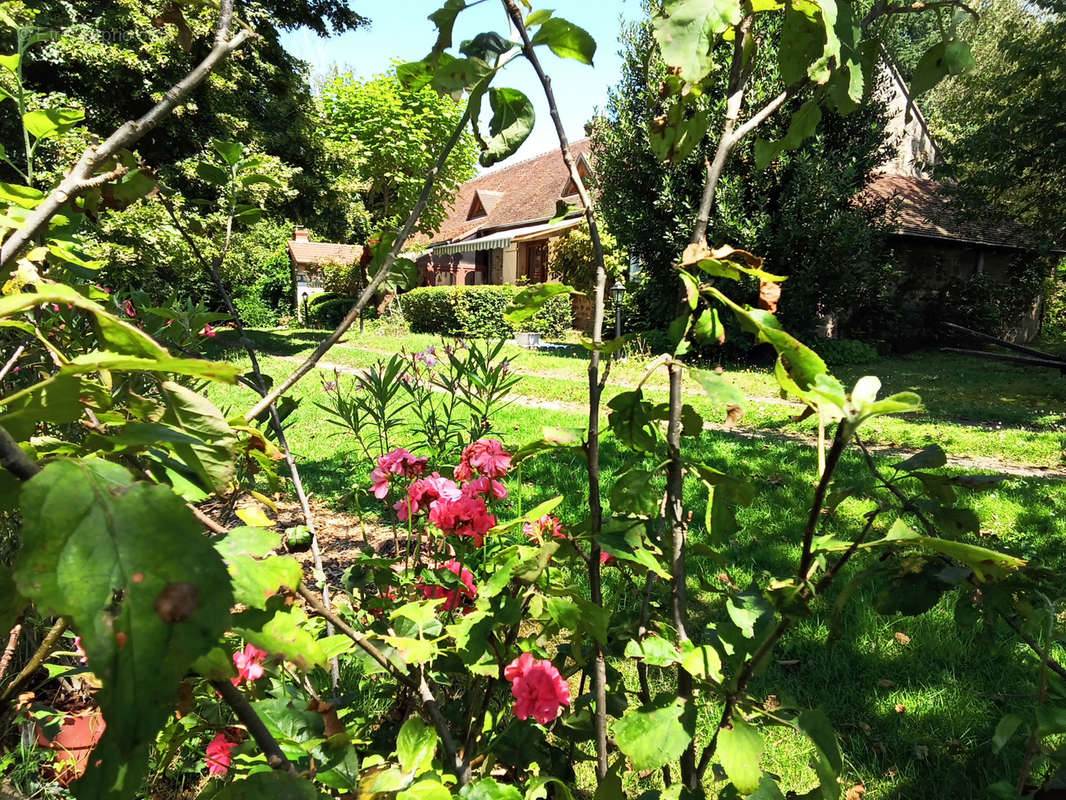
(617, 291)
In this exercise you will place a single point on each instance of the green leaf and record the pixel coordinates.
(653, 735)
(718, 388)
(739, 750)
(562, 211)
(444, 18)
(808, 41)
(269, 784)
(914, 590)
(653, 650)
(117, 362)
(48, 122)
(538, 17)
(428, 789)
(22, 196)
(231, 152)
(626, 540)
(196, 416)
(286, 634)
(631, 420)
(212, 173)
(128, 564)
(1004, 730)
(802, 126)
(551, 439)
(985, 563)
(633, 494)
(486, 46)
(257, 574)
(415, 745)
(566, 40)
(702, 661)
(512, 121)
(708, 328)
(489, 789)
(827, 762)
(689, 30)
(531, 299)
(929, 457)
(674, 135)
(949, 57)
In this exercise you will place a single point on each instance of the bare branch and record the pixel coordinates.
(82, 177)
(14, 459)
(236, 700)
(49, 643)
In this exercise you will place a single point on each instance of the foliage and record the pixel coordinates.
(327, 313)
(395, 132)
(478, 312)
(571, 259)
(843, 352)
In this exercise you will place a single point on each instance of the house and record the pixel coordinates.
(498, 228)
(308, 259)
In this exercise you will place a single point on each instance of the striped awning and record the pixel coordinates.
(524, 234)
(473, 245)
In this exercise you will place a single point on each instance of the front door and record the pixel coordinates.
(537, 262)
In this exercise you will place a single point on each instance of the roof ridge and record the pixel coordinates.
(508, 165)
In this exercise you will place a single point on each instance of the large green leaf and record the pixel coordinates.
(265, 785)
(512, 121)
(117, 362)
(196, 417)
(827, 761)
(415, 746)
(985, 563)
(48, 122)
(444, 18)
(802, 126)
(739, 750)
(128, 564)
(566, 40)
(653, 735)
(688, 31)
(286, 634)
(634, 495)
(257, 574)
(626, 539)
(632, 420)
(489, 789)
(949, 57)
(531, 299)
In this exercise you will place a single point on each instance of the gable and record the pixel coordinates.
(584, 170)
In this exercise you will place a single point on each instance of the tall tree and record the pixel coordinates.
(800, 214)
(394, 132)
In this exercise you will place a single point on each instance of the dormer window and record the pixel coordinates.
(583, 169)
(483, 203)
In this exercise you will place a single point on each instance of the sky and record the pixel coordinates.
(401, 30)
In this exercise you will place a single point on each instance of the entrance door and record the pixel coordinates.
(537, 262)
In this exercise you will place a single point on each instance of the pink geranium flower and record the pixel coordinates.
(454, 596)
(208, 331)
(467, 516)
(249, 663)
(606, 559)
(483, 486)
(485, 457)
(127, 307)
(546, 526)
(219, 755)
(399, 462)
(84, 659)
(424, 492)
(538, 688)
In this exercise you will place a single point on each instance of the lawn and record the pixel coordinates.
(915, 719)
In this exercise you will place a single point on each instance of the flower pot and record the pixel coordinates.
(74, 743)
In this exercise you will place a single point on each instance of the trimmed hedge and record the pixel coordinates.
(477, 312)
(328, 313)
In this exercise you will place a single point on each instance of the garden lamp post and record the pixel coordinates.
(617, 291)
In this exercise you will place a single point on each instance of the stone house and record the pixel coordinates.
(308, 260)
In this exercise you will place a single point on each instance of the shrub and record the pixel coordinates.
(254, 312)
(840, 352)
(329, 313)
(477, 312)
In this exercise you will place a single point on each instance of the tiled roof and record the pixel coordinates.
(922, 207)
(516, 193)
(303, 252)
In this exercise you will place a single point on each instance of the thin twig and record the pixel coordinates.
(11, 361)
(236, 700)
(12, 643)
(38, 658)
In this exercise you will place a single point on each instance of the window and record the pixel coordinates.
(477, 209)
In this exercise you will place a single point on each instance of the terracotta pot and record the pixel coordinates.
(74, 743)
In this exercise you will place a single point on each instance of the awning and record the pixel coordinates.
(524, 234)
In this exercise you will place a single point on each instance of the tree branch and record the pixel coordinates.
(38, 658)
(14, 459)
(236, 700)
(386, 267)
(81, 178)
(831, 462)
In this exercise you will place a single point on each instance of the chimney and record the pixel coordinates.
(301, 235)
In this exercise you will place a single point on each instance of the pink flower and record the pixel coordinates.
(482, 486)
(467, 516)
(543, 527)
(486, 457)
(398, 462)
(219, 755)
(538, 688)
(428, 356)
(606, 559)
(454, 596)
(331, 386)
(249, 663)
(78, 649)
(208, 331)
(128, 308)
(424, 492)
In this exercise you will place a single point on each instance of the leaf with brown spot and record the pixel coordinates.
(176, 602)
(902, 638)
(900, 708)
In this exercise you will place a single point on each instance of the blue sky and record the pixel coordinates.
(401, 30)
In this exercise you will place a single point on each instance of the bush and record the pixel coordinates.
(328, 313)
(255, 313)
(841, 352)
(477, 312)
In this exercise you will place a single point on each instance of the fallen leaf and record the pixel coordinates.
(921, 751)
(903, 638)
(733, 415)
(856, 792)
(900, 708)
(771, 703)
(892, 772)
(885, 683)
(790, 664)
(865, 728)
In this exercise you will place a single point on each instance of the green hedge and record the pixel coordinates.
(477, 312)
(329, 312)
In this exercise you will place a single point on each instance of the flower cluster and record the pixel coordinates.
(546, 526)
(219, 754)
(249, 664)
(485, 457)
(467, 516)
(399, 462)
(424, 492)
(454, 597)
(538, 688)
